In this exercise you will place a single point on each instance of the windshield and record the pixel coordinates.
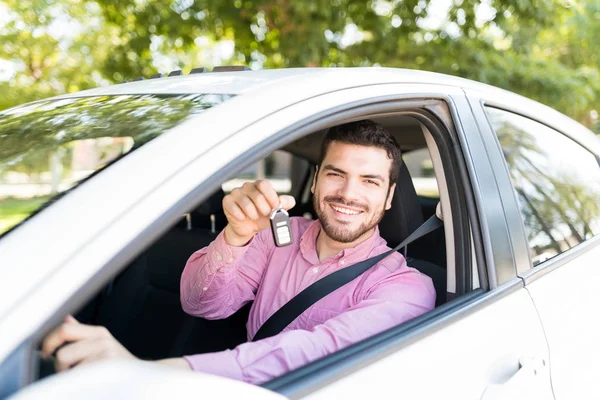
(48, 147)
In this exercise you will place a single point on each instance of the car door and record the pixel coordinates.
(486, 344)
(557, 181)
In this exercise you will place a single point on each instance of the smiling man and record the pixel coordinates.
(352, 188)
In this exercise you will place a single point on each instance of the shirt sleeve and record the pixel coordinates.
(394, 300)
(219, 279)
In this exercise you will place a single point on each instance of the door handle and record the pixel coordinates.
(527, 383)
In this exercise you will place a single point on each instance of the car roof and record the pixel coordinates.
(310, 82)
(241, 82)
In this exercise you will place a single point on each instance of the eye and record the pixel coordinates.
(333, 174)
(372, 182)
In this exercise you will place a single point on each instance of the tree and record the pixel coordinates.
(57, 48)
(532, 47)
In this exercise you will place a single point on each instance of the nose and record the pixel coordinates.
(349, 190)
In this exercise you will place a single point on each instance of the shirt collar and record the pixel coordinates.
(351, 255)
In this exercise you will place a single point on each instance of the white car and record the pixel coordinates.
(105, 193)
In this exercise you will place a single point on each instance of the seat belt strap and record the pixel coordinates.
(321, 288)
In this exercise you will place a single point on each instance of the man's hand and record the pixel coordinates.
(248, 208)
(79, 344)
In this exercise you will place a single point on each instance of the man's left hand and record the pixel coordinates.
(78, 344)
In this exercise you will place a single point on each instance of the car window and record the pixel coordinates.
(419, 165)
(556, 180)
(277, 168)
(48, 147)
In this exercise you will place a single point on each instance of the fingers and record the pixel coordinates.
(231, 208)
(259, 201)
(70, 332)
(96, 356)
(287, 202)
(74, 353)
(253, 201)
(248, 207)
(270, 195)
(100, 347)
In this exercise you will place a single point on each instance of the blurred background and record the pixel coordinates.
(543, 49)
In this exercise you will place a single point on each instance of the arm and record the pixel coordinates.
(75, 344)
(219, 279)
(391, 302)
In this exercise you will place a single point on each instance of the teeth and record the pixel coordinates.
(345, 210)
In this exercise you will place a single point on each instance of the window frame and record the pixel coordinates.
(550, 131)
(553, 120)
(310, 377)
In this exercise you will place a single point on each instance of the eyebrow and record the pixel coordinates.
(341, 171)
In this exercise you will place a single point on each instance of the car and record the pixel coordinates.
(105, 193)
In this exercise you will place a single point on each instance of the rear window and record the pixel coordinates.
(48, 147)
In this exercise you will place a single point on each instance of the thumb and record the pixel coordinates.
(70, 319)
(287, 202)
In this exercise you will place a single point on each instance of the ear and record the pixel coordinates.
(314, 182)
(388, 203)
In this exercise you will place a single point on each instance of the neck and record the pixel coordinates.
(327, 247)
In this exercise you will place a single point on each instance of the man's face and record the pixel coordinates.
(351, 190)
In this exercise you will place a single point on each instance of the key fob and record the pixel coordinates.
(280, 227)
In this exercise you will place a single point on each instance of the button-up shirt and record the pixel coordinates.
(219, 279)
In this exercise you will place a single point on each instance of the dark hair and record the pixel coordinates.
(365, 133)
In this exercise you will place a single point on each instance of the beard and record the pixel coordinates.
(336, 230)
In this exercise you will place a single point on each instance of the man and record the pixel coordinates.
(353, 186)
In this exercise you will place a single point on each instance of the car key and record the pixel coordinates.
(280, 227)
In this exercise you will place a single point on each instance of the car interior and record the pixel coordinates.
(141, 305)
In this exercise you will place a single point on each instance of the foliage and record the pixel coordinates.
(543, 49)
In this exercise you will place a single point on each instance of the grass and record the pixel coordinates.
(14, 210)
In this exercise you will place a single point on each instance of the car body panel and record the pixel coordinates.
(564, 288)
(566, 299)
(461, 360)
(510, 208)
(140, 380)
(305, 82)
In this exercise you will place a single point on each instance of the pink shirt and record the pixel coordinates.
(219, 279)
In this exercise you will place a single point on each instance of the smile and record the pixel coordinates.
(345, 210)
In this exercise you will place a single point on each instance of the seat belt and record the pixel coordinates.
(321, 288)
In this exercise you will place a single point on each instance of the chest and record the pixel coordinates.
(285, 277)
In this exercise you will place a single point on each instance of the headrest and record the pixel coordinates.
(406, 214)
(208, 215)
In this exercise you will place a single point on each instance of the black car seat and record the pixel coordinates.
(403, 218)
(143, 310)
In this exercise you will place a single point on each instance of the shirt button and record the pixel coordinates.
(219, 257)
(205, 288)
(342, 262)
(315, 270)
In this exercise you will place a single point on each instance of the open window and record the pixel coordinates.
(141, 305)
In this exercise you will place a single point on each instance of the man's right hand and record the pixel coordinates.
(248, 209)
